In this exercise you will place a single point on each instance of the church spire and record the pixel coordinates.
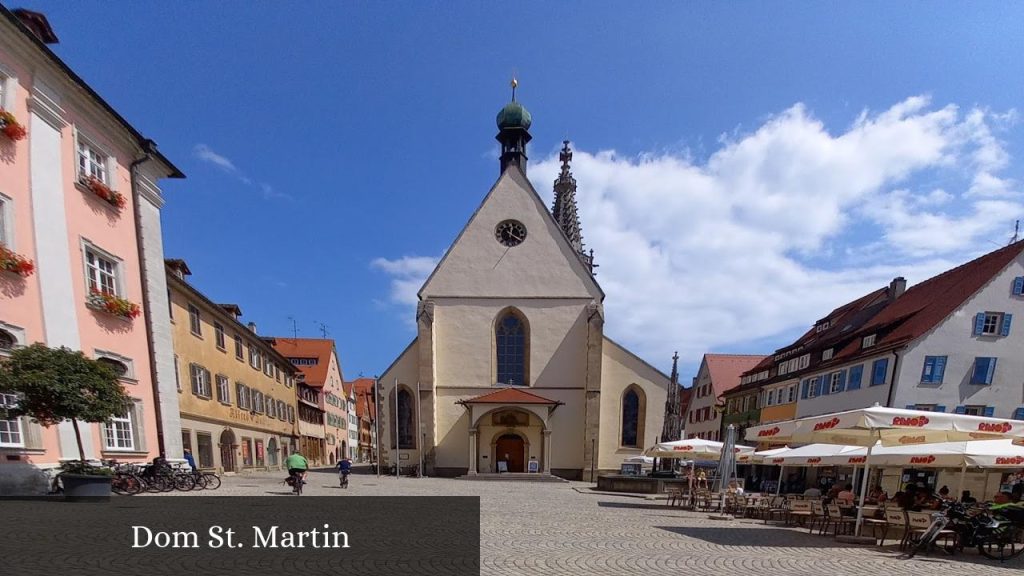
(672, 426)
(564, 208)
(514, 132)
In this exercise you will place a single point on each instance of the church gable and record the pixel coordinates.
(492, 257)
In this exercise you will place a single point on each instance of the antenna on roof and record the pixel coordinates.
(1016, 232)
(295, 327)
(323, 329)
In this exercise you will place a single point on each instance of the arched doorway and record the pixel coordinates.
(228, 443)
(511, 448)
(272, 452)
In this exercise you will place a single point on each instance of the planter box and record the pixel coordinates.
(83, 487)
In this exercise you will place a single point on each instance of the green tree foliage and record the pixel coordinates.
(57, 384)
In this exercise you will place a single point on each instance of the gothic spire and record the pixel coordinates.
(564, 208)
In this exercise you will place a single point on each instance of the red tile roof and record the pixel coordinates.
(318, 348)
(363, 388)
(510, 396)
(726, 369)
(924, 305)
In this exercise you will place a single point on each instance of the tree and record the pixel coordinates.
(57, 384)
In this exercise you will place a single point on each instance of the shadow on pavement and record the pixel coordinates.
(636, 505)
(733, 535)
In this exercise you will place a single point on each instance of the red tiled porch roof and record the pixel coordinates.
(510, 396)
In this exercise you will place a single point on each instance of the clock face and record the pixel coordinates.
(510, 233)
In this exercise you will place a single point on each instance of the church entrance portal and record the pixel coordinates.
(511, 449)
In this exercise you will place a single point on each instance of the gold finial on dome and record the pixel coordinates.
(515, 84)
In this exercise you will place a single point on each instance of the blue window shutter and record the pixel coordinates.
(806, 386)
(1018, 285)
(989, 411)
(979, 323)
(991, 370)
(927, 369)
(1005, 331)
(940, 408)
(961, 410)
(1018, 414)
(910, 406)
(939, 372)
(826, 384)
(818, 385)
(842, 380)
(980, 368)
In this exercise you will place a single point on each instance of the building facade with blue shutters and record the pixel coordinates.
(948, 344)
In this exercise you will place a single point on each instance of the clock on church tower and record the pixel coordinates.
(510, 233)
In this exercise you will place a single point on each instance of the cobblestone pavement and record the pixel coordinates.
(560, 529)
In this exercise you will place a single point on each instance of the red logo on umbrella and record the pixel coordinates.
(858, 460)
(998, 427)
(769, 432)
(826, 425)
(683, 448)
(915, 422)
(1012, 461)
(911, 440)
(922, 459)
(813, 460)
(778, 460)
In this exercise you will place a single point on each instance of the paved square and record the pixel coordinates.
(561, 529)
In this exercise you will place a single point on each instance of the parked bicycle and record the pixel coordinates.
(994, 535)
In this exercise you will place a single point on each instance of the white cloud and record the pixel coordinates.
(781, 224)
(207, 154)
(408, 274)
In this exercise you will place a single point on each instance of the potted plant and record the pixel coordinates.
(113, 304)
(58, 384)
(16, 263)
(97, 187)
(10, 127)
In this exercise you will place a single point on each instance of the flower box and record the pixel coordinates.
(112, 197)
(113, 305)
(10, 127)
(12, 262)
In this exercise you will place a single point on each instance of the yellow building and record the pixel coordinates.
(236, 393)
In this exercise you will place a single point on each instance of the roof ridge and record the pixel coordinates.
(1019, 244)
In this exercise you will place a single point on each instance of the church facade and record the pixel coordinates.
(510, 370)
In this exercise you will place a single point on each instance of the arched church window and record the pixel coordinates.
(632, 417)
(406, 421)
(510, 341)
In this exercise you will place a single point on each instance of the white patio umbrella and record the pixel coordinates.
(693, 449)
(888, 426)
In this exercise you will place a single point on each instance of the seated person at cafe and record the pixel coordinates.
(846, 495)
(944, 492)
(908, 498)
(812, 492)
(734, 488)
(966, 498)
(833, 492)
(877, 495)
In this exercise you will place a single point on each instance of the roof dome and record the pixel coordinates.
(514, 115)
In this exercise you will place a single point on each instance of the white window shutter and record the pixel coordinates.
(32, 434)
(138, 427)
(112, 173)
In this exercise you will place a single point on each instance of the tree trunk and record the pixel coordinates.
(78, 437)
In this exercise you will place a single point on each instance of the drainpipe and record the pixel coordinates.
(892, 382)
(147, 148)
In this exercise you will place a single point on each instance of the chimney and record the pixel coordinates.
(37, 23)
(897, 287)
(252, 326)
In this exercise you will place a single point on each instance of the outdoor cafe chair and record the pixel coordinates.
(799, 511)
(837, 520)
(818, 517)
(776, 507)
(895, 519)
(675, 496)
(873, 521)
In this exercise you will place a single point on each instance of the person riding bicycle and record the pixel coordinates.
(297, 464)
(344, 469)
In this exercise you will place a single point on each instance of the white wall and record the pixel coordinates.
(954, 337)
(866, 396)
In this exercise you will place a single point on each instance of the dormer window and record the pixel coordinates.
(827, 354)
(868, 341)
(822, 326)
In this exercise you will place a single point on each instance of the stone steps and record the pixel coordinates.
(513, 477)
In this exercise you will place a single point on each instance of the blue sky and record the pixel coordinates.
(744, 167)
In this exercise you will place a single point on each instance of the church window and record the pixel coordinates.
(632, 417)
(406, 420)
(510, 342)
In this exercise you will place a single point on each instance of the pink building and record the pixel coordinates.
(79, 201)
